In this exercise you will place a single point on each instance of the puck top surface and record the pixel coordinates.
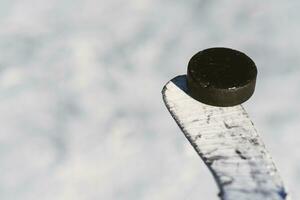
(221, 76)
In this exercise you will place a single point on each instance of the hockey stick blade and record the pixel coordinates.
(226, 140)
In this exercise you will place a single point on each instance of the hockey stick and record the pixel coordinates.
(225, 139)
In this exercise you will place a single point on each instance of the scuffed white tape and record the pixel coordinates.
(228, 143)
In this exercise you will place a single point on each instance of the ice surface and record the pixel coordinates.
(81, 110)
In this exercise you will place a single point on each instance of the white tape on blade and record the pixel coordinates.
(228, 143)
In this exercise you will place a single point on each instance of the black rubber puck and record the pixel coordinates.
(221, 77)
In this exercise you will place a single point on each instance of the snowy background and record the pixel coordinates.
(81, 112)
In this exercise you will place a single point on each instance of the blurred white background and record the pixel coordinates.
(81, 111)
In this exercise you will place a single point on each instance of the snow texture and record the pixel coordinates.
(228, 143)
(80, 94)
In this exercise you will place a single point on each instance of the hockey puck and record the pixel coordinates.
(221, 77)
